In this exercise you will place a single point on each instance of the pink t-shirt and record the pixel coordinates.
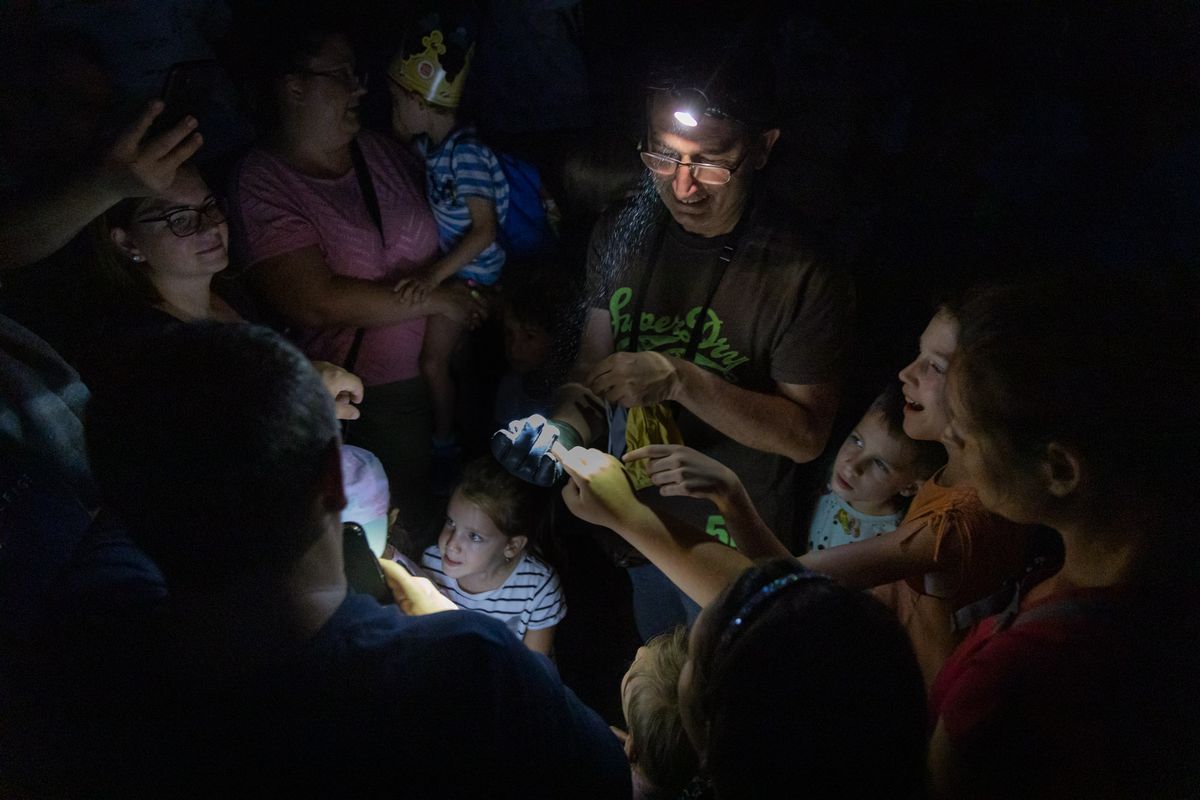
(280, 210)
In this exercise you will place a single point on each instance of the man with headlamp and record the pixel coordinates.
(719, 326)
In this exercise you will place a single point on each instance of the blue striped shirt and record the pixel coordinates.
(461, 167)
(529, 599)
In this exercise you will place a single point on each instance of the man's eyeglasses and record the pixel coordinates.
(185, 222)
(348, 77)
(712, 174)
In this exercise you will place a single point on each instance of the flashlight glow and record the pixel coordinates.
(685, 118)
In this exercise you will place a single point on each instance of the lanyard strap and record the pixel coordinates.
(697, 328)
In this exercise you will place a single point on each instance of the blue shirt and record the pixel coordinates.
(461, 167)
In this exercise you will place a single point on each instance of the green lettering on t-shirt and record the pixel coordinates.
(716, 527)
(670, 334)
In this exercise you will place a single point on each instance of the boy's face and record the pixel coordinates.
(408, 113)
(526, 346)
(873, 466)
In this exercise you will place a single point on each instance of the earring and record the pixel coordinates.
(507, 558)
(137, 257)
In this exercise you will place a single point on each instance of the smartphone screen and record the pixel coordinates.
(361, 567)
(188, 89)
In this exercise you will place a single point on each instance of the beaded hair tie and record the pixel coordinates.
(751, 606)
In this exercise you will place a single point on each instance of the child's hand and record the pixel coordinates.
(679, 470)
(415, 596)
(598, 491)
(464, 305)
(415, 288)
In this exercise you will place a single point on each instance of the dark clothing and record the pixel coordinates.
(377, 703)
(779, 313)
(1084, 693)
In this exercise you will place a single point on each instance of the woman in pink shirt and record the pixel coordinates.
(326, 257)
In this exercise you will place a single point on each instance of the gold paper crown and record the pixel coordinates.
(423, 73)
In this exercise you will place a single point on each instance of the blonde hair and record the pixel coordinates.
(659, 746)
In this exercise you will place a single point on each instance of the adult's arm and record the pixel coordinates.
(302, 287)
(575, 403)
(35, 226)
(793, 421)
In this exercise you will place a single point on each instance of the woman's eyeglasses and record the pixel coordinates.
(350, 78)
(185, 222)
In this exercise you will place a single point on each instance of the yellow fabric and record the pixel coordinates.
(645, 426)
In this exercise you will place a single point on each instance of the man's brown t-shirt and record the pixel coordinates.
(779, 313)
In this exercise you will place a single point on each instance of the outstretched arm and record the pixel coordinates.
(598, 492)
(36, 226)
(679, 470)
(904, 553)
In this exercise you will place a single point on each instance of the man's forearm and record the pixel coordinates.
(759, 420)
(577, 406)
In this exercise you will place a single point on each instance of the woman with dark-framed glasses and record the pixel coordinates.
(160, 261)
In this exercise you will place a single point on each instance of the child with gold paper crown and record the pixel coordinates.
(468, 193)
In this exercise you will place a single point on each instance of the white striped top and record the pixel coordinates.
(530, 599)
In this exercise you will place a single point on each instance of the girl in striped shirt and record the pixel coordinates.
(487, 557)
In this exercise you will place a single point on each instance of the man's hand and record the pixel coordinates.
(459, 302)
(682, 471)
(344, 387)
(599, 492)
(415, 596)
(135, 167)
(635, 379)
(524, 448)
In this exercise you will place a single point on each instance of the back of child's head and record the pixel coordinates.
(927, 457)
(367, 500)
(799, 682)
(659, 747)
(515, 507)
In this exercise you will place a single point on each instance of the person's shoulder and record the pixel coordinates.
(381, 149)
(361, 626)
(535, 565)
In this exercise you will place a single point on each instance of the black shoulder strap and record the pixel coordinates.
(366, 186)
(368, 192)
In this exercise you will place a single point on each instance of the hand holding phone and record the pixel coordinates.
(415, 595)
(362, 569)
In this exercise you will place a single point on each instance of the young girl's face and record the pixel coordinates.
(1006, 485)
(924, 381)
(471, 545)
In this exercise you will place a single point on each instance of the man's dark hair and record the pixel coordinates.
(736, 77)
(209, 441)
